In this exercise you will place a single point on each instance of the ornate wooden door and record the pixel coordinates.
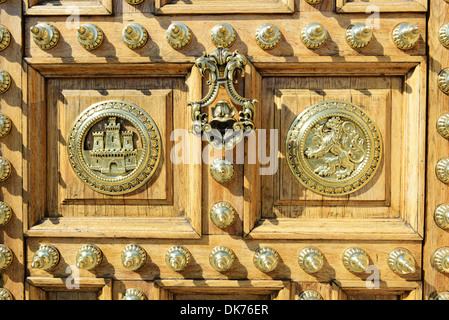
(230, 149)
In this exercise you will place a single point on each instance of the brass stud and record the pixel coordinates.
(310, 294)
(443, 125)
(401, 261)
(441, 216)
(266, 259)
(177, 257)
(46, 257)
(444, 35)
(440, 260)
(4, 293)
(222, 170)
(222, 214)
(313, 2)
(133, 294)
(6, 257)
(5, 38)
(223, 35)
(442, 296)
(443, 80)
(133, 257)
(5, 125)
(135, 36)
(405, 35)
(359, 35)
(314, 35)
(355, 260)
(442, 170)
(5, 213)
(5, 81)
(45, 35)
(89, 257)
(178, 35)
(90, 36)
(311, 259)
(134, 1)
(221, 258)
(5, 169)
(267, 36)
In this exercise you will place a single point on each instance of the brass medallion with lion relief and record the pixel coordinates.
(333, 148)
(114, 147)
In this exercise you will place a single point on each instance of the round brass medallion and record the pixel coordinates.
(114, 147)
(333, 148)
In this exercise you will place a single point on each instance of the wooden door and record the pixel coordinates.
(77, 186)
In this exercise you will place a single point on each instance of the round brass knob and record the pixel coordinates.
(5, 213)
(135, 36)
(442, 296)
(355, 260)
(443, 125)
(5, 125)
(267, 36)
(441, 216)
(405, 35)
(5, 81)
(133, 294)
(5, 38)
(134, 1)
(6, 257)
(5, 294)
(90, 36)
(46, 257)
(266, 259)
(440, 260)
(178, 35)
(177, 257)
(444, 35)
(133, 257)
(45, 35)
(223, 35)
(222, 214)
(222, 170)
(88, 257)
(221, 258)
(359, 35)
(310, 295)
(401, 261)
(314, 35)
(443, 80)
(5, 169)
(442, 170)
(311, 259)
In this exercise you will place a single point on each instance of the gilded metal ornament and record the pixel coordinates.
(135, 36)
(443, 80)
(442, 296)
(45, 35)
(310, 294)
(267, 36)
(114, 147)
(441, 216)
(134, 294)
(334, 148)
(440, 260)
(46, 257)
(222, 214)
(88, 257)
(5, 213)
(359, 35)
(444, 35)
(405, 35)
(5, 125)
(223, 131)
(442, 170)
(5, 294)
(222, 170)
(178, 35)
(177, 257)
(314, 1)
(311, 259)
(6, 257)
(355, 260)
(5, 38)
(133, 257)
(3, 278)
(90, 36)
(223, 35)
(134, 1)
(221, 258)
(266, 259)
(314, 35)
(401, 261)
(5, 169)
(443, 125)
(5, 81)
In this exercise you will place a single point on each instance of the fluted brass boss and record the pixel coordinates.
(359, 35)
(5, 169)
(355, 260)
(401, 261)
(177, 257)
(222, 214)
(443, 80)
(6, 257)
(5, 38)
(5, 213)
(45, 35)
(4, 293)
(5, 125)
(134, 1)
(267, 36)
(405, 35)
(223, 35)
(133, 257)
(46, 257)
(266, 259)
(221, 258)
(314, 35)
(311, 259)
(5, 81)
(178, 35)
(442, 170)
(440, 260)
(310, 294)
(133, 294)
(135, 36)
(441, 216)
(90, 36)
(89, 257)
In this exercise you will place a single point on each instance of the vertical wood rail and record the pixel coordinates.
(11, 147)
(437, 147)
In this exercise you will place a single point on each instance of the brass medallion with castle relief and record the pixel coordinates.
(114, 147)
(333, 148)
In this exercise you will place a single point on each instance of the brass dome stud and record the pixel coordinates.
(5, 213)
(266, 259)
(45, 35)
(401, 261)
(6, 257)
(221, 258)
(311, 259)
(89, 257)
(177, 257)
(134, 294)
(223, 35)
(178, 35)
(405, 35)
(5, 38)
(90, 36)
(135, 36)
(46, 257)
(133, 257)
(267, 36)
(314, 35)
(359, 35)
(355, 260)
(310, 294)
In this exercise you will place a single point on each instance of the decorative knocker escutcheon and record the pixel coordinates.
(133, 257)
(311, 259)
(355, 260)
(46, 257)
(266, 259)
(314, 35)
(221, 258)
(134, 294)
(177, 258)
(135, 36)
(440, 260)
(45, 35)
(359, 35)
(5, 213)
(441, 216)
(5, 81)
(401, 261)
(222, 214)
(405, 35)
(4, 293)
(223, 131)
(310, 295)
(90, 36)
(5, 38)
(6, 256)
(89, 257)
